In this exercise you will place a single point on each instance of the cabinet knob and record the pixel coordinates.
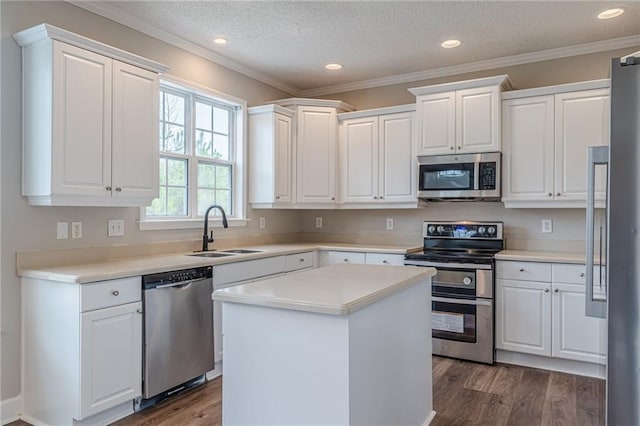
(549, 195)
(556, 290)
(118, 189)
(346, 260)
(581, 274)
(557, 194)
(385, 261)
(521, 269)
(375, 198)
(459, 147)
(546, 290)
(108, 188)
(115, 292)
(333, 198)
(301, 260)
(451, 148)
(381, 197)
(139, 310)
(277, 197)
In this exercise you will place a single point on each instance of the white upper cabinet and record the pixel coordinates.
(377, 158)
(271, 143)
(90, 121)
(545, 144)
(461, 117)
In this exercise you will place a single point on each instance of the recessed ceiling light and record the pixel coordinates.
(450, 44)
(220, 40)
(610, 13)
(333, 67)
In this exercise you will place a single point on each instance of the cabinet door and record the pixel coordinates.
(345, 257)
(523, 316)
(111, 358)
(528, 133)
(582, 120)
(81, 146)
(359, 160)
(436, 116)
(135, 133)
(478, 120)
(397, 167)
(576, 336)
(284, 147)
(316, 152)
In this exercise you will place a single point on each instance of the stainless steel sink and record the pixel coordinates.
(243, 251)
(212, 254)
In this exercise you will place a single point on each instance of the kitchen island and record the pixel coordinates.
(340, 345)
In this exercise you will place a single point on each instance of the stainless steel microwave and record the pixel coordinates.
(460, 177)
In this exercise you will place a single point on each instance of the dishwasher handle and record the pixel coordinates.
(180, 279)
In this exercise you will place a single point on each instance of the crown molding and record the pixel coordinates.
(507, 61)
(114, 14)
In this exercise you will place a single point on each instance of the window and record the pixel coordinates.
(200, 141)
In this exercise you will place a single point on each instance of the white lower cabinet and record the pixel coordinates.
(82, 350)
(540, 310)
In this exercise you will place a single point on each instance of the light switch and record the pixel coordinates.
(62, 230)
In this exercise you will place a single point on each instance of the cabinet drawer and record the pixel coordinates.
(566, 273)
(104, 294)
(528, 271)
(247, 270)
(294, 262)
(345, 257)
(384, 259)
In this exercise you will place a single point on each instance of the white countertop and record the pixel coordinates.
(336, 290)
(129, 267)
(541, 256)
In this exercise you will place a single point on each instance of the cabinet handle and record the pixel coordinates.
(385, 261)
(346, 260)
(115, 292)
(521, 269)
(301, 260)
(118, 189)
(546, 290)
(108, 188)
(549, 195)
(139, 310)
(556, 290)
(581, 274)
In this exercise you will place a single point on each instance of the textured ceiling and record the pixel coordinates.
(291, 41)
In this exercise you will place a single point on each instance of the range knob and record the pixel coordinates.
(431, 229)
(481, 230)
(440, 229)
(491, 230)
(466, 280)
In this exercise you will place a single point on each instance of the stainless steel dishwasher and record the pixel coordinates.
(178, 332)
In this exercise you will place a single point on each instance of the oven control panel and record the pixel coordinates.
(463, 230)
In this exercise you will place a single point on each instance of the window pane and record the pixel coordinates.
(220, 146)
(221, 120)
(176, 201)
(177, 172)
(223, 198)
(203, 116)
(206, 197)
(163, 171)
(174, 107)
(223, 177)
(158, 206)
(174, 139)
(203, 143)
(206, 175)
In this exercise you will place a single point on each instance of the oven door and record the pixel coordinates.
(462, 328)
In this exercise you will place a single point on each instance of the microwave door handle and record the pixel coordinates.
(476, 175)
(597, 155)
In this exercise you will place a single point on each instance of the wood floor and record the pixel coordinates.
(465, 393)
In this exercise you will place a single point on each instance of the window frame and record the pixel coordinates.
(238, 169)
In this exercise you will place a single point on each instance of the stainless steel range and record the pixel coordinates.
(462, 290)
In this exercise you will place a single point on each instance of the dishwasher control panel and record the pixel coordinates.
(181, 276)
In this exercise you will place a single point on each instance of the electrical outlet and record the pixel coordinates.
(62, 230)
(319, 222)
(389, 224)
(263, 222)
(76, 230)
(547, 226)
(116, 228)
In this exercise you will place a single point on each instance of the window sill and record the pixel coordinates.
(158, 225)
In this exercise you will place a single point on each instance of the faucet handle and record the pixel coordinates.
(211, 236)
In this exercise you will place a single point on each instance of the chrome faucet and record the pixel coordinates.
(206, 239)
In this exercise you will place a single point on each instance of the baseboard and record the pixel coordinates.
(430, 418)
(554, 364)
(10, 409)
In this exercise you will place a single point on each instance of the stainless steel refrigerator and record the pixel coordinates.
(613, 239)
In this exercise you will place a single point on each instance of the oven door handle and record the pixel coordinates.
(446, 265)
(462, 301)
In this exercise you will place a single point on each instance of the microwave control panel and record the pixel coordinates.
(487, 178)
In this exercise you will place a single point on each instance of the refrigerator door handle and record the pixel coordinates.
(595, 307)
